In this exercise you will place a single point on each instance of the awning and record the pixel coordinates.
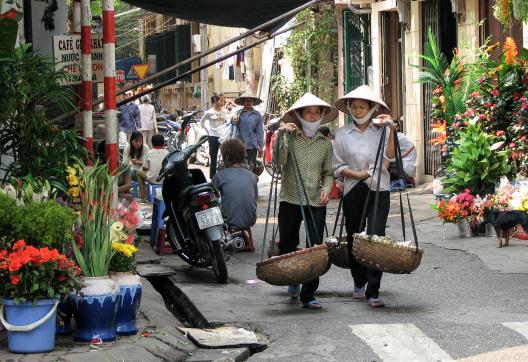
(232, 13)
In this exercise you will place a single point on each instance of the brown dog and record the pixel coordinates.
(504, 221)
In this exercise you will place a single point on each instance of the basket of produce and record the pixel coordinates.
(294, 268)
(338, 251)
(386, 254)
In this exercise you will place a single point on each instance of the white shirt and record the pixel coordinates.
(213, 119)
(153, 162)
(127, 161)
(409, 154)
(355, 149)
(147, 114)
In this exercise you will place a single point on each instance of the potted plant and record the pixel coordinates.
(32, 280)
(95, 306)
(457, 210)
(122, 265)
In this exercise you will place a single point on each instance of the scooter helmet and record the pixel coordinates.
(258, 169)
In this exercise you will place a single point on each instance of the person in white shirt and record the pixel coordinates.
(354, 156)
(134, 154)
(152, 165)
(149, 126)
(212, 119)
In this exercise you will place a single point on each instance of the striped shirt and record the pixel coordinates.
(314, 157)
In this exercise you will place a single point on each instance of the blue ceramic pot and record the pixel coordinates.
(130, 289)
(95, 308)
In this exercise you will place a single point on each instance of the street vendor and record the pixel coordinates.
(354, 156)
(313, 152)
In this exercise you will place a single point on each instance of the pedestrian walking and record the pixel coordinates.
(149, 125)
(354, 158)
(251, 126)
(313, 152)
(212, 119)
(134, 154)
(129, 118)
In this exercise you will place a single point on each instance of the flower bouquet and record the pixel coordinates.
(456, 209)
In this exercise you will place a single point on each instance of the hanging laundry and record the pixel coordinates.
(219, 54)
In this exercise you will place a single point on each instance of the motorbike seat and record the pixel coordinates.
(197, 189)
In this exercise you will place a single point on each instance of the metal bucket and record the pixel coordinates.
(464, 230)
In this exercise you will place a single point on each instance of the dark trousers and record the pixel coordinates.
(290, 218)
(251, 156)
(214, 145)
(353, 203)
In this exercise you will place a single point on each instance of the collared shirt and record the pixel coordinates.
(314, 157)
(212, 119)
(251, 129)
(355, 149)
(129, 118)
(409, 154)
(147, 115)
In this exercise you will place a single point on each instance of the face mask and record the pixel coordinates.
(309, 128)
(364, 119)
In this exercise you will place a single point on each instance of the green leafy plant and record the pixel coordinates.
(475, 164)
(312, 50)
(31, 93)
(29, 274)
(9, 211)
(95, 252)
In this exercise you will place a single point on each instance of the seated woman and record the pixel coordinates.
(124, 180)
(238, 187)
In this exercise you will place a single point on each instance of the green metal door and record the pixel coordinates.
(357, 49)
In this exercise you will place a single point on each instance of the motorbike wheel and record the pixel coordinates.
(178, 250)
(218, 261)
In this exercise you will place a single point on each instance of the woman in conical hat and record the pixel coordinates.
(354, 157)
(313, 152)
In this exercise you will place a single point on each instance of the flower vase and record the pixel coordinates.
(130, 290)
(30, 326)
(95, 308)
(490, 231)
(64, 316)
(464, 231)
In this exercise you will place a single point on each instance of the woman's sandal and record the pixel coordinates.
(313, 304)
(359, 293)
(376, 302)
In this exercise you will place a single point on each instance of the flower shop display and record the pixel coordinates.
(95, 306)
(457, 210)
(123, 236)
(32, 281)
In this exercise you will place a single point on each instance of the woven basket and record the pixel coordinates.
(383, 254)
(338, 251)
(294, 268)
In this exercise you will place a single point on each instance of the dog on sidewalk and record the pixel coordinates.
(504, 221)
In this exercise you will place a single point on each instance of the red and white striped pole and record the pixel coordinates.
(86, 85)
(110, 85)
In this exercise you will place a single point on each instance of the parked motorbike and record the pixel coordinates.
(195, 227)
(270, 139)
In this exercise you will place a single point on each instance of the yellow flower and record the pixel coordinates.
(74, 191)
(127, 250)
(72, 180)
(71, 170)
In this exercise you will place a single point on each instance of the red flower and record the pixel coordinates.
(512, 145)
(495, 92)
(61, 278)
(500, 133)
(19, 244)
(15, 279)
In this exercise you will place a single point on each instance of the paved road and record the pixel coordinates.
(466, 298)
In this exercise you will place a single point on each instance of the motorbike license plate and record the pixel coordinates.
(209, 217)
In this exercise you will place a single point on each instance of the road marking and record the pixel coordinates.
(519, 327)
(400, 342)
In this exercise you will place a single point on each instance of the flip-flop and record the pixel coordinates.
(294, 291)
(359, 293)
(376, 302)
(313, 304)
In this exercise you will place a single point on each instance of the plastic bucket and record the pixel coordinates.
(30, 327)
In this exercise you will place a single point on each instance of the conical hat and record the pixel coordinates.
(362, 92)
(308, 99)
(248, 94)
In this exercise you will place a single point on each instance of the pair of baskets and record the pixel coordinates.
(377, 252)
(298, 267)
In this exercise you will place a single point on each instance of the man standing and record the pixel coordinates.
(251, 127)
(129, 118)
(149, 126)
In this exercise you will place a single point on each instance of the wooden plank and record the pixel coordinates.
(221, 337)
(151, 270)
